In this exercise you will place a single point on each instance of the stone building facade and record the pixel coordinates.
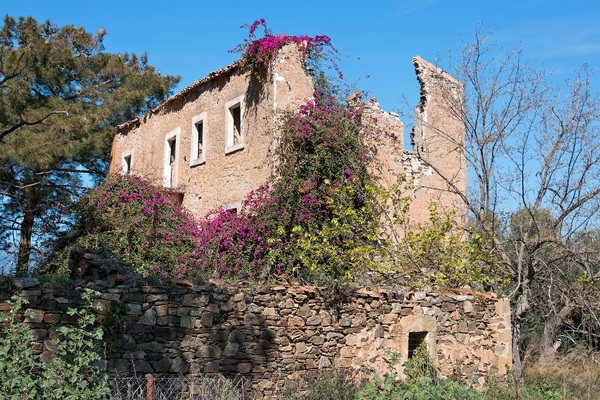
(213, 142)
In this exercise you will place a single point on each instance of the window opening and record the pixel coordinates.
(234, 129)
(172, 148)
(126, 162)
(233, 207)
(200, 140)
(415, 340)
(169, 177)
(127, 165)
(236, 114)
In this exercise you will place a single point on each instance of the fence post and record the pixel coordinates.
(149, 386)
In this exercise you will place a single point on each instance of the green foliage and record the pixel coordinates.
(345, 245)
(321, 191)
(219, 318)
(440, 254)
(422, 382)
(127, 216)
(18, 366)
(71, 375)
(61, 97)
(335, 384)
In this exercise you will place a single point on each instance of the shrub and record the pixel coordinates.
(311, 215)
(336, 384)
(140, 223)
(72, 375)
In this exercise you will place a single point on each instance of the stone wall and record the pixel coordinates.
(267, 333)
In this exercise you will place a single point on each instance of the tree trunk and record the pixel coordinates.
(547, 350)
(549, 336)
(25, 238)
(516, 356)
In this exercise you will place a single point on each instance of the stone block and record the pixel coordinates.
(179, 366)
(468, 306)
(418, 323)
(244, 368)
(133, 309)
(301, 348)
(317, 340)
(143, 367)
(304, 311)
(34, 315)
(295, 321)
(347, 351)
(503, 307)
(187, 322)
(323, 363)
(231, 349)
(151, 298)
(269, 311)
(149, 317)
(51, 318)
(162, 366)
(211, 367)
(343, 362)
(161, 310)
(325, 318)
(26, 282)
(194, 300)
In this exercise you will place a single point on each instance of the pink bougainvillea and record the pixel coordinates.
(257, 53)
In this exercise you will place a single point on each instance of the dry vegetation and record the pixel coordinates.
(576, 373)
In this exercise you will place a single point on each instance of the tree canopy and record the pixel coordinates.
(61, 97)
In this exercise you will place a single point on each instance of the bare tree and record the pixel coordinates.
(533, 152)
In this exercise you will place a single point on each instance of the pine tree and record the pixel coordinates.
(61, 98)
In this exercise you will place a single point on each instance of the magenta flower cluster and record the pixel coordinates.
(260, 52)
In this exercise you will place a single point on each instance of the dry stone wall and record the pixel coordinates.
(271, 332)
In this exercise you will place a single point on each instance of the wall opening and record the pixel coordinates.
(200, 140)
(235, 127)
(415, 340)
(127, 165)
(172, 158)
(236, 115)
(198, 150)
(234, 207)
(126, 162)
(171, 154)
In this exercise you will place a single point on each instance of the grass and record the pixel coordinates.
(576, 373)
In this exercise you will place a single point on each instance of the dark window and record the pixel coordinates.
(200, 144)
(172, 161)
(236, 114)
(415, 340)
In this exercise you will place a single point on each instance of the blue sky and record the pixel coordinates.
(192, 38)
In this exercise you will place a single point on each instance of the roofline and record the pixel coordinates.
(215, 74)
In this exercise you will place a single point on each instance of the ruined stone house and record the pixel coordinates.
(213, 141)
